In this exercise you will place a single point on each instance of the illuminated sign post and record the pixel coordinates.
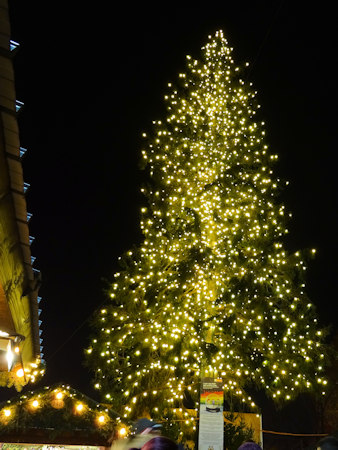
(211, 421)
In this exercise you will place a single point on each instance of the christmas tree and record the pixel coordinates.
(212, 289)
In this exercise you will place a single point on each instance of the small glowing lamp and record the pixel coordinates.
(20, 373)
(79, 407)
(122, 432)
(101, 420)
(35, 403)
(59, 395)
(7, 412)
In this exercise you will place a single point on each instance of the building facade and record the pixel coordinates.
(20, 340)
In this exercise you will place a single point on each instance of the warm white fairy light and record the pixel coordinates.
(212, 282)
(79, 407)
(36, 403)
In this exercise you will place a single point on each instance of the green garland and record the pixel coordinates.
(56, 410)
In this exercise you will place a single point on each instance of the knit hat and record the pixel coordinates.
(249, 446)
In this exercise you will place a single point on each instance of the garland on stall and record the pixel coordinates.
(56, 410)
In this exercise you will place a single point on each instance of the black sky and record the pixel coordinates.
(93, 78)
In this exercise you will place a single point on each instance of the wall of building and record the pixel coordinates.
(19, 283)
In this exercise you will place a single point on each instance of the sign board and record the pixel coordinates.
(211, 421)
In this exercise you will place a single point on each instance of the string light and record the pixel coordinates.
(101, 420)
(60, 398)
(122, 432)
(20, 373)
(79, 407)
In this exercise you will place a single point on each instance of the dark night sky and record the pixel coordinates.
(92, 80)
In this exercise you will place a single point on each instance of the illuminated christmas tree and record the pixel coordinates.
(212, 289)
